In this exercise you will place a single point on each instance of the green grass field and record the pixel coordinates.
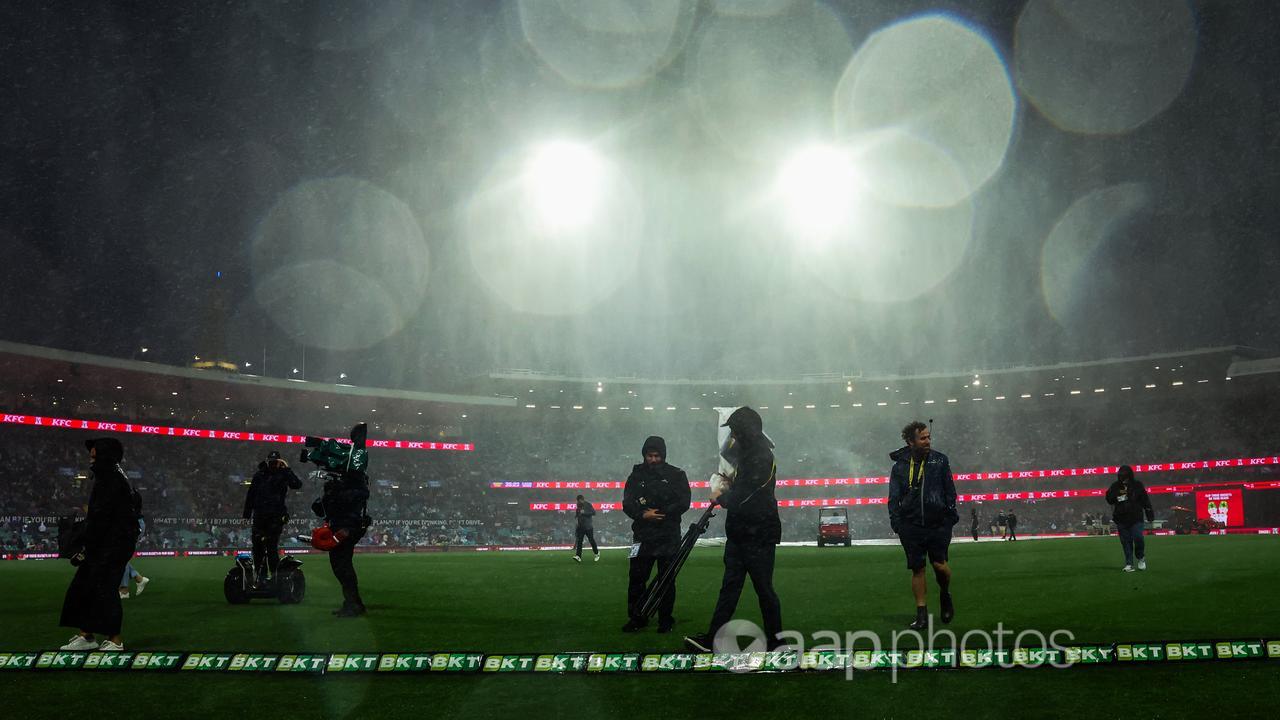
(1197, 588)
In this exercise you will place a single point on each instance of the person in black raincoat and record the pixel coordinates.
(753, 529)
(265, 505)
(584, 529)
(92, 603)
(655, 496)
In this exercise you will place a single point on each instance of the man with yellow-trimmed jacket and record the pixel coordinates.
(922, 511)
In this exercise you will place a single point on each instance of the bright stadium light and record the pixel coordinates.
(818, 186)
(563, 181)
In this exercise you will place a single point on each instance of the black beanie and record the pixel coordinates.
(653, 443)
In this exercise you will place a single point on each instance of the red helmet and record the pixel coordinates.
(322, 539)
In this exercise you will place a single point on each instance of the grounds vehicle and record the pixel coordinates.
(833, 526)
(1185, 522)
(289, 585)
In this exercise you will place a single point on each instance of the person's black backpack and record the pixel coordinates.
(71, 538)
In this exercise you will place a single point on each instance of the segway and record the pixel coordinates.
(289, 585)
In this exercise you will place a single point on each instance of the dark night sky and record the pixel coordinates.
(149, 146)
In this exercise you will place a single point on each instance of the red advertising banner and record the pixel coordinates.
(199, 434)
(1232, 496)
(1101, 471)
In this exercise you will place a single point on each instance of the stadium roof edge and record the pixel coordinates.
(828, 378)
(69, 356)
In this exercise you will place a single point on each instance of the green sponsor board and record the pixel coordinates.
(352, 663)
(1140, 652)
(457, 662)
(675, 662)
(611, 663)
(1088, 654)
(825, 660)
(18, 661)
(1239, 650)
(302, 663)
(781, 661)
(405, 662)
(206, 662)
(1037, 657)
(510, 663)
(61, 660)
(1189, 651)
(563, 663)
(931, 659)
(247, 662)
(156, 661)
(108, 661)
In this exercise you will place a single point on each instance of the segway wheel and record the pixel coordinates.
(233, 589)
(291, 587)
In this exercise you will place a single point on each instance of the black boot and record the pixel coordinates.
(350, 611)
(922, 619)
(948, 610)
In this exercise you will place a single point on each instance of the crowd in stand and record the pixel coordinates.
(193, 490)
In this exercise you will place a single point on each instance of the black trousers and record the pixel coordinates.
(92, 603)
(974, 530)
(639, 577)
(340, 561)
(754, 560)
(589, 534)
(266, 542)
(1013, 532)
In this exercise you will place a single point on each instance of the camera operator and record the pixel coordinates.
(655, 496)
(92, 603)
(753, 529)
(265, 505)
(1131, 503)
(343, 506)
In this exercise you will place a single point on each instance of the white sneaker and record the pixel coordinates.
(1142, 564)
(1127, 568)
(78, 642)
(124, 593)
(108, 646)
(140, 584)
(597, 558)
(577, 559)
